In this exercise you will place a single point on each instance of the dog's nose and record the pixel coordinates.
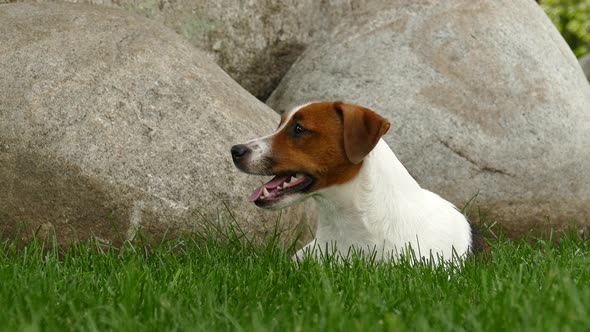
(239, 151)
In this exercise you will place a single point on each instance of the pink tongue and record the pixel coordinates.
(273, 183)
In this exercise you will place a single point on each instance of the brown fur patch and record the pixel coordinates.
(319, 150)
(362, 130)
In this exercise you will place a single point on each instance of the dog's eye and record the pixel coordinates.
(298, 129)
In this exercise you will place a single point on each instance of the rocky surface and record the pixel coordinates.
(585, 63)
(254, 41)
(110, 123)
(484, 97)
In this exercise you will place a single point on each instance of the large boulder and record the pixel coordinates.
(110, 123)
(485, 98)
(254, 41)
(585, 63)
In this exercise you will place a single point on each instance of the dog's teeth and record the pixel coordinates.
(265, 192)
(293, 179)
(279, 188)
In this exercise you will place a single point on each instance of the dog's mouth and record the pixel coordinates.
(279, 187)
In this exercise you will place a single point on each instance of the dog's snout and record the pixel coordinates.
(239, 151)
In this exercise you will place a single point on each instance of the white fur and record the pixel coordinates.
(384, 210)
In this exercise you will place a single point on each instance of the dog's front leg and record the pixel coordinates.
(310, 249)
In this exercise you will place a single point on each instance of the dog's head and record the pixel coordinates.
(316, 145)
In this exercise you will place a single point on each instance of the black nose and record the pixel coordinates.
(239, 151)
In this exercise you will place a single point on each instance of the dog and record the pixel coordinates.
(334, 153)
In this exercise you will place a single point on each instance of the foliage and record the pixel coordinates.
(572, 19)
(207, 284)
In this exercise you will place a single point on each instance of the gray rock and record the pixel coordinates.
(254, 41)
(110, 122)
(484, 97)
(585, 63)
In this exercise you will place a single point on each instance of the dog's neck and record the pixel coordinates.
(383, 199)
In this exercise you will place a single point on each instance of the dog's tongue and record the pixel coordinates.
(273, 183)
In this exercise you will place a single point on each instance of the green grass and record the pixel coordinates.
(197, 283)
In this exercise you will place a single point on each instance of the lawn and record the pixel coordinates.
(197, 283)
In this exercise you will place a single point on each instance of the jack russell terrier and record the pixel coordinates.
(367, 200)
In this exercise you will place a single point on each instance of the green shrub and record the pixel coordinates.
(572, 19)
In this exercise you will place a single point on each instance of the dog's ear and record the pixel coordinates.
(362, 129)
